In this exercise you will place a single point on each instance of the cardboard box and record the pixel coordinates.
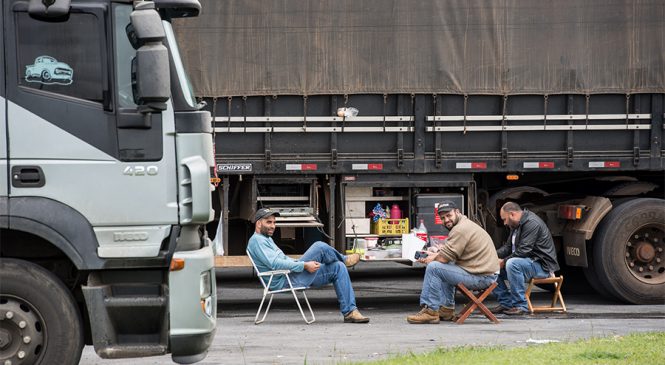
(361, 226)
(355, 210)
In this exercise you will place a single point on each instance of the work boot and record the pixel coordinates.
(355, 317)
(426, 315)
(446, 314)
(498, 309)
(352, 260)
(515, 312)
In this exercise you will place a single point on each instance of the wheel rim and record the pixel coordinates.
(22, 332)
(645, 254)
(46, 75)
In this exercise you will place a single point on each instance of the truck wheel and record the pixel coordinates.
(592, 276)
(39, 320)
(628, 252)
(46, 76)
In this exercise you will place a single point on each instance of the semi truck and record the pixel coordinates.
(327, 110)
(105, 188)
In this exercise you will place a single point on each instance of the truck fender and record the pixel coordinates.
(576, 233)
(57, 223)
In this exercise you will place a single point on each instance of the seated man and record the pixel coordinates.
(475, 265)
(319, 266)
(528, 253)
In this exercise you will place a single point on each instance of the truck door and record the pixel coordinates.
(76, 139)
(3, 127)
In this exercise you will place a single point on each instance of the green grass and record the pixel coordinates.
(642, 348)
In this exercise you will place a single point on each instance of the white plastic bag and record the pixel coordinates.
(218, 242)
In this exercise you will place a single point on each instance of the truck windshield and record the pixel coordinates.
(185, 85)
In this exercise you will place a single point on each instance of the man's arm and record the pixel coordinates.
(270, 255)
(505, 250)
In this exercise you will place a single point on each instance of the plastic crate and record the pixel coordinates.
(390, 227)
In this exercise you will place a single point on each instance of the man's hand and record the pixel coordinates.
(431, 256)
(502, 263)
(312, 266)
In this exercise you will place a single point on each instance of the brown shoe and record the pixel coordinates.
(498, 309)
(425, 316)
(352, 260)
(355, 317)
(515, 312)
(446, 314)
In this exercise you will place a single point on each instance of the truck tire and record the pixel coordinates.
(628, 252)
(39, 320)
(593, 279)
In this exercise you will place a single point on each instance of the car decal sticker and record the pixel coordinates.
(47, 70)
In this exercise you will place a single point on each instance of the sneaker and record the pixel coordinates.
(446, 314)
(352, 260)
(515, 312)
(355, 317)
(425, 316)
(498, 309)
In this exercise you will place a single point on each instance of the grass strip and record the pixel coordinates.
(637, 348)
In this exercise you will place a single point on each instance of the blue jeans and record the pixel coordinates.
(518, 271)
(440, 280)
(332, 270)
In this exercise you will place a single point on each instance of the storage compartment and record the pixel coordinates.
(426, 205)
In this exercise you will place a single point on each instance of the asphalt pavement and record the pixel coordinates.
(387, 293)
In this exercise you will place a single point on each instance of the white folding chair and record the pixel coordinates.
(266, 291)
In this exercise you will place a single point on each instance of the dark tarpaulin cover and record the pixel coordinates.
(307, 47)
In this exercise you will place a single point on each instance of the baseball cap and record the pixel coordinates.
(446, 206)
(263, 213)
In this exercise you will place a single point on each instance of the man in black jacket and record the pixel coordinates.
(528, 253)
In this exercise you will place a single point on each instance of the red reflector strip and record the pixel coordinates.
(604, 164)
(471, 165)
(367, 166)
(301, 167)
(538, 165)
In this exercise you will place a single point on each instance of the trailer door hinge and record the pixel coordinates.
(636, 156)
(333, 157)
(400, 157)
(267, 159)
(504, 157)
(438, 157)
(569, 157)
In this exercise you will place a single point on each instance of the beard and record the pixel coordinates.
(266, 231)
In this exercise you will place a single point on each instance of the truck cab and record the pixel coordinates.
(105, 162)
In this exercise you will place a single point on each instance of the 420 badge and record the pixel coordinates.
(48, 70)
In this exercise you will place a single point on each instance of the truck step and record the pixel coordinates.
(134, 350)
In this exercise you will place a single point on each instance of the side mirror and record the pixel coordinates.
(151, 81)
(48, 8)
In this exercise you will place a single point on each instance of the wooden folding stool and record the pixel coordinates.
(475, 302)
(556, 295)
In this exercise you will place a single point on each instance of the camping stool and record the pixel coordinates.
(558, 282)
(475, 302)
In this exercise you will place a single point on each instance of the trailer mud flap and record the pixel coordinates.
(574, 248)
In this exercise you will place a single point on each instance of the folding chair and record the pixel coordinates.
(556, 295)
(266, 291)
(475, 302)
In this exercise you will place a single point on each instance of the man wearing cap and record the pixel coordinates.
(528, 253)
(468, 257)
(319, 266)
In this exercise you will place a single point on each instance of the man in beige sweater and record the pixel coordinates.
(468, 257)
